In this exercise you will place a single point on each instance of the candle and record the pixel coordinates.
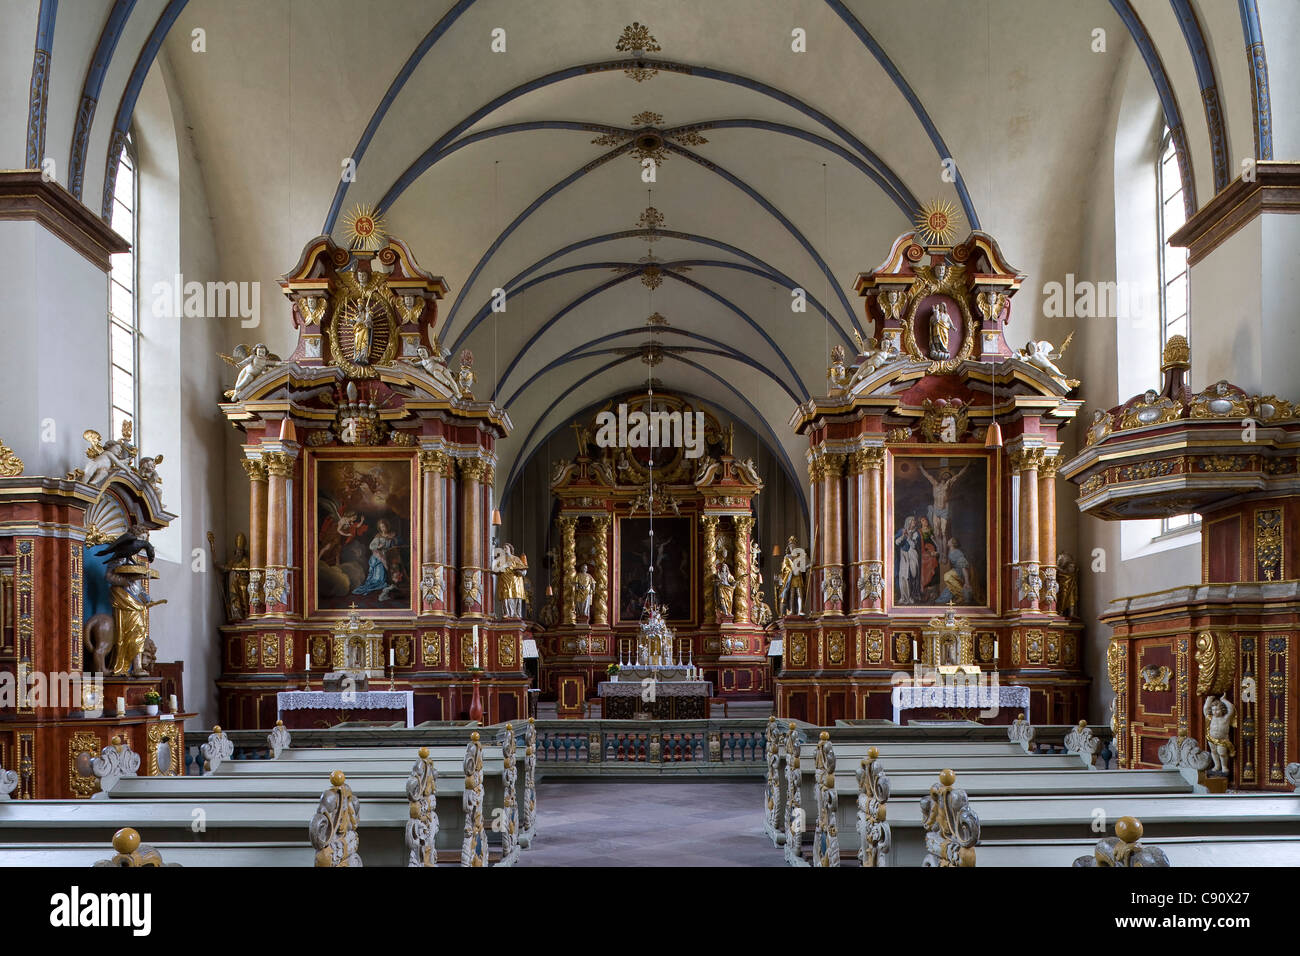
(995, 650)
(391, 659)
(914, 654)
(476, 651)
(172, 704)
(307, 665)
(121, 706)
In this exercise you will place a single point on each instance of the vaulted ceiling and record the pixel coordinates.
(780, 169)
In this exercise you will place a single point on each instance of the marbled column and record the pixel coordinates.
(1047, 531)
(432, 541)
(710, 525)
(832, 531)
(256, 471)
(741, 603)
(568, 527)
(275, 582)
(600, 602)
(1025, 462)
(869, 588)
(817, 547)
(475, 583)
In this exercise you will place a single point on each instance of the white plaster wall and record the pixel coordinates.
(56, 337)
(178, 412)
(1279, 22)
(17, 32)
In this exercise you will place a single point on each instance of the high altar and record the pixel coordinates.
(1230, 638)
(705, 561)
(370, 465)
(933, 463)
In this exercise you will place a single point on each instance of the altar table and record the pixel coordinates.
(673, 699)
(297, 708)
(965, 700)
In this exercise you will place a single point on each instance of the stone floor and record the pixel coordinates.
(634, 823)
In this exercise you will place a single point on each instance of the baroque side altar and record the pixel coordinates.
(370, 470)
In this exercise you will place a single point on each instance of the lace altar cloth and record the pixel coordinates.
(663, 688)
(339, 700)
(947, 695)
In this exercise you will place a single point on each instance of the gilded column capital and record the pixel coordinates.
(601, 522)
(710, 522)
(489, 475)
(816, 470)
(278, 463)
(866, 459)
(1047, 468)
(473, 469)
(434, 461)
(833, 466)
(255, 468)
(1026, 459)
(744, 524)
(567, 521)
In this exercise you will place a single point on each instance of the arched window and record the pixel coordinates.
(123, 302)
(1174, 320)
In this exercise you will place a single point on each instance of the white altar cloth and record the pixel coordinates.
(354, 700)
(980, 695)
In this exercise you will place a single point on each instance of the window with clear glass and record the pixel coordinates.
(1171, 215)
(123, 317)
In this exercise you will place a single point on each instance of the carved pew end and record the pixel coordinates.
(1123, 849)
(131, 852)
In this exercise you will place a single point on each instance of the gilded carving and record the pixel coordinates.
(1155, 678)
(798, 649)
(11, 466)
(432, 649)
(270, 651)
(835, 647)
(173, 736)
(1151, 409)
(902, 649)
(1034, 647)
(1220, 400)
(1216, 662)
(506, 650)
(83, 747)
(1268, 544)
(874, 641)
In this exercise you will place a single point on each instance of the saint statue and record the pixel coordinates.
(363, 326)
(510, 570)
(235, 575)
(1067, 578)
(131, 605)
(940, 328)
(724, 588)
(790, 579)
(583, 587)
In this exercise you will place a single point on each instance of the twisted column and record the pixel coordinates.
(710, 524)
(568, 525)
(740, 603)
(600, 605)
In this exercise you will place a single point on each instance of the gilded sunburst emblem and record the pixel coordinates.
(936, 222)
(365, 228)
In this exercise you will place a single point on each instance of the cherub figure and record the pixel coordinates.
(1218, 713)
(436, 369)
(1041, 354)
(148, 469)
(105, 457)
(251, 364)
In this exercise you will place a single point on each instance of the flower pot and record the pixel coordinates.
(614, 678)
(151, 709)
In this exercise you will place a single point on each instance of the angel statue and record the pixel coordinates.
(148, 469)
(436, 369)
(251, 364)
(106, 457)
(874, 356)
(1043, 355)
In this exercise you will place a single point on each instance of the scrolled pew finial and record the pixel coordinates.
(218, 748)
(1083, 741)
(473, 849)
(1021, 732)
(873, 795)
(772, 803)
(509, 821)
(278, 739)
(528, 806)
(333, 828)
(1123, 849)
(129, 851)
(952, 828)
(422, 827)
(826, 839)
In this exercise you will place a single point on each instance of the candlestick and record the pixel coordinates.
(995, 653)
